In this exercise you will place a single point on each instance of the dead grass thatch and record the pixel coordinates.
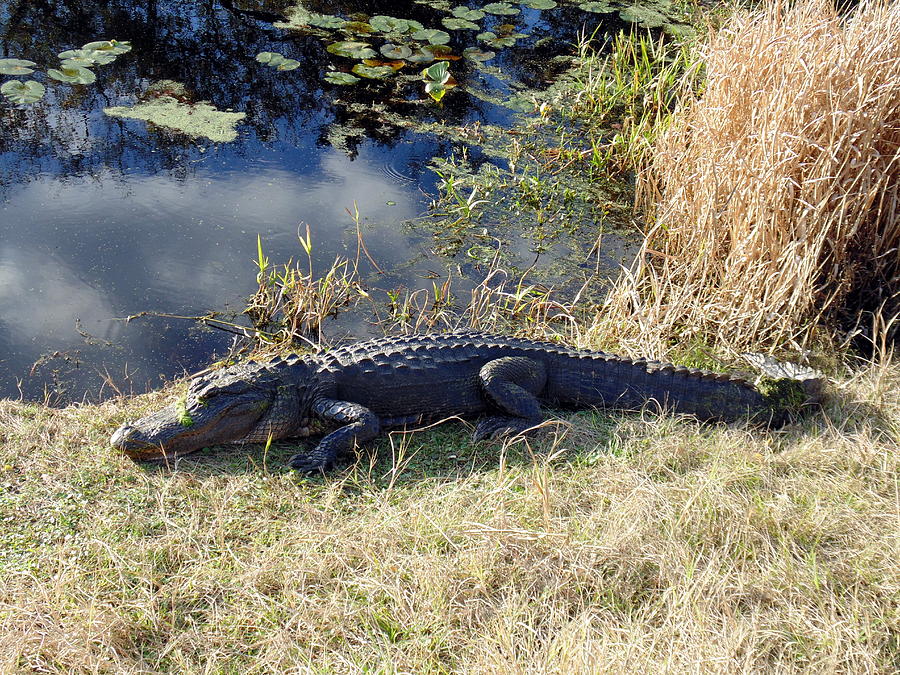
(774, 194)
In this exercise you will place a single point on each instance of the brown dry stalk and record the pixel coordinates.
(774, 194)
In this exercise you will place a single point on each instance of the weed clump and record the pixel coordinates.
(773, 196)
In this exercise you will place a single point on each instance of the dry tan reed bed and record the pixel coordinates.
(775, 192)
(650, 544)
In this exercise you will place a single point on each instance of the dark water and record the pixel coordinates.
(101, 217)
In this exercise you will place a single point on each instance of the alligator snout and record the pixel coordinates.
(127, 438)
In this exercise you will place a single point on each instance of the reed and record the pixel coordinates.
(773, 196)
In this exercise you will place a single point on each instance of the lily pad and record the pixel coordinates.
(16, 67)
(277, 61)
(421, 56)
(454, 23)
(87, 57)
(22, 93)
(358, 27)
(432, 36)
(540, 4)
(475, 54)
(72, 74)
(112, 46)
(497, 41)
(373, 72)
(390, 24)
(335, 77)
(393, 51)
(596, 7)
(351, 49)
(644, 16)
(467, 13)
(501, 8)
(325, 20)
(270, 58)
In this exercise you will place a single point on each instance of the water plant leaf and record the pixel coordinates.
(288, 64)
(325, 20)
(351, 49)
(336, 77)
(421, 56)
(467, 13)
(439, 72)
(393, 65)
(496, 41)
(596, 7)
(87, 57)
(373, 72)
(441, 52)
(195, 120)
(432, 36)
(358, 27)
(540, 4)
(454, 23)
(390, 24)
(22, 93)
(435, 90)
(393, 51)
(475, 54)
(644, 16)
(72, 74)
(16, 67)
(112, 46)
(501, 8)
(270, 58)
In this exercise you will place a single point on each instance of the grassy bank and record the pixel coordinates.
(630, 543)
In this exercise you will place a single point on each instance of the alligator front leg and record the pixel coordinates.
(362, 425)
(511, 384)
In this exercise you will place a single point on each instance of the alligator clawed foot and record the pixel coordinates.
(306, 463)
(498, 427)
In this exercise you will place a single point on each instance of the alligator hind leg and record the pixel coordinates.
(362, 425)
(512, 385)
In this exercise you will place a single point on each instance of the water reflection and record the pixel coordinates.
(101, 218)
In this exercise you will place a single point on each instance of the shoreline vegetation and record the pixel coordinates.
(615, 542)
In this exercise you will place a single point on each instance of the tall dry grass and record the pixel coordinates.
(773, 195)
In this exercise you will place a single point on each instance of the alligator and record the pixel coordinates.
(396, 381)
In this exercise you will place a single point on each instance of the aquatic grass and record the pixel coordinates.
(290, 303)
(623, 98)
(773, 196)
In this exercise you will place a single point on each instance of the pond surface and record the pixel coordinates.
(103, 217)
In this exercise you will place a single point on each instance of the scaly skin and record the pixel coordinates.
(368, 386)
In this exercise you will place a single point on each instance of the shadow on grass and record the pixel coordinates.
(443, 451)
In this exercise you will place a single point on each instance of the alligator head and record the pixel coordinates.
(247, 403)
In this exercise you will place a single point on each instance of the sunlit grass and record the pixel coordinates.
(639, 543)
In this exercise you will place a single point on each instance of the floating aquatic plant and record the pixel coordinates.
(432, 36)
(437, 80)
(337, 77)
(501, 8)
(16, 67)
(277, 61)
(74, 68)
(468, 14)
(22, 92)
(454, 23)
(351, 49)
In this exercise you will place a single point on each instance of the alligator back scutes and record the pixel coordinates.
(384, 351)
